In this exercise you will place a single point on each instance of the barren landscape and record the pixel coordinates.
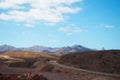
(59, 39)
(66, 67)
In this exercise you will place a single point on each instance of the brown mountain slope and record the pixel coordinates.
(26, 59)
(28, 54)
(102, 61)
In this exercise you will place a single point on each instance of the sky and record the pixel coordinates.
(56, 23)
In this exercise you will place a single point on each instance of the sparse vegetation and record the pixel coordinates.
(101, 61)
(25, 59)
(104, 61)
(26, 76)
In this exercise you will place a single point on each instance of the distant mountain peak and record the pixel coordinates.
(7, 48)
(5, 45)
(37, 48)
(77, 46)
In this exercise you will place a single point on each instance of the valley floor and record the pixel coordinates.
(53, 75)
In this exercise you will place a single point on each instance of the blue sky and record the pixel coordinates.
(57, 23)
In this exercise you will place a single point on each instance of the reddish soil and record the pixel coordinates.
(20, 77)
(101, 61)
(56, 73)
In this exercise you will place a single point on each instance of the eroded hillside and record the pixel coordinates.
(101, 61)
(26, 59)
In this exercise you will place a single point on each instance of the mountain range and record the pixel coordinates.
(50, 50)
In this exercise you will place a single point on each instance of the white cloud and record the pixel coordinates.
(53, 41)
(106, 26)
(70, 29)
(4, 16)
(48, 11)
(29, 25)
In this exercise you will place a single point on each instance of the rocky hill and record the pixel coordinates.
(26, 59)
(101, 61)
